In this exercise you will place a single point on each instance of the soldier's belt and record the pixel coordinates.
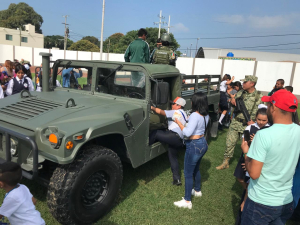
(243, 121)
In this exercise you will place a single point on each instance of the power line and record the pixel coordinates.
(241, 37)
(260, 46)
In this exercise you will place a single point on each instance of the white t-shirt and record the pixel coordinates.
(223, 86)
(180, 115)
(19, 209)
(1, 92)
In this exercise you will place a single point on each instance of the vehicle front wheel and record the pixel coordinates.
(85, 190)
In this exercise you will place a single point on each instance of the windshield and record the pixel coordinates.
(123, 83)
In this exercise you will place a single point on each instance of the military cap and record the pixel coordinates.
(250, 78)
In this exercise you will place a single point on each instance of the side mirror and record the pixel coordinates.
(160, 93)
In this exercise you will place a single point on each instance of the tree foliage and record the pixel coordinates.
(121, 41)
(56, 41)
(112, 43)
(18, 15)
(92, 39)
(84, 45)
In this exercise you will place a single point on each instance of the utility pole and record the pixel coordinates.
(169, 24)
(191, 50)
(159, 23)
(196, 47)
(101, 39)
(108, 46)
(66, 35)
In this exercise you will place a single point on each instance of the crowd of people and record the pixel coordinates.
(14, 77)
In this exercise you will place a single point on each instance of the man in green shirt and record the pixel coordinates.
(138, 50)
(271, 162)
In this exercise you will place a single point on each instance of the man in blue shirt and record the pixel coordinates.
(70, 78)
(271, 163)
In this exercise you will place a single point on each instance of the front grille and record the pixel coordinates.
(29, 108)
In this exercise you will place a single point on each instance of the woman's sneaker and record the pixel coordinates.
(196, 193)
(183, 204)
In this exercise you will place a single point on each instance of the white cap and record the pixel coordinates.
(260, 106)
(180, 101)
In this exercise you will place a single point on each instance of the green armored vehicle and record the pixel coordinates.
(74, 140)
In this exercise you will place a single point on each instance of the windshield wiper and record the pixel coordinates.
(118, 68)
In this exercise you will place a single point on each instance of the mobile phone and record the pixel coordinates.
(246, 135)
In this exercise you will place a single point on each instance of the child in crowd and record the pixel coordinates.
(240, 173)
(295, 114)
(223, 105)
(18, 204)
(20, 82)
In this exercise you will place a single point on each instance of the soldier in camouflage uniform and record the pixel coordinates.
(252, 98)
(165, 54)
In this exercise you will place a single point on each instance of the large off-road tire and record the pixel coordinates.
(85, 190)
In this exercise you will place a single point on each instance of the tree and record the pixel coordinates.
(124, 41)
(84, 45)
(18, 15)
(56, 41)
(112, 42)
(92, 39)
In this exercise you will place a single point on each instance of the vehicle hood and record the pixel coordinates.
(50, 109)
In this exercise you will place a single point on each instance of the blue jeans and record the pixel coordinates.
(255, 213)
(195, 150)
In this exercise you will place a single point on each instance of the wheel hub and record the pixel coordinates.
(95, 189)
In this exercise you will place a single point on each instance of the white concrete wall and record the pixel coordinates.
(269, 72)
(56, 54)
(71, 55)
(207, 66)
(84, 55)
(184, 65)
(238, 69)
(6, 53)
(115, 57)
(96, 56)
(36, 54)
(296, 81)
(23, 53)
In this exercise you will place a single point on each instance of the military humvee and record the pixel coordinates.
(74, 139)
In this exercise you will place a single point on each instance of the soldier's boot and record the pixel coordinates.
(225, 164)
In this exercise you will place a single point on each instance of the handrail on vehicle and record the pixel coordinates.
(196, 83)
(7, 134)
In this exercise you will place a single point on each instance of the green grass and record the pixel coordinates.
(147, 194)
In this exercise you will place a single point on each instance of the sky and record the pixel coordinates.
(190, 20)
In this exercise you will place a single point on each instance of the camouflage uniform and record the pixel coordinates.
(206, 81)
(239, 124)
(164, 55)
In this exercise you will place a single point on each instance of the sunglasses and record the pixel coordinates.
(173, 103)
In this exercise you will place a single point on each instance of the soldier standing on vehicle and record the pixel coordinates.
(158, 45)
(138, 50)
(165, 54)
(251, 98)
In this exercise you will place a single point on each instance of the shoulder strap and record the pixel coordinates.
(182, 115)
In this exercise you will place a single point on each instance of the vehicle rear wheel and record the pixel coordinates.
(85, 190)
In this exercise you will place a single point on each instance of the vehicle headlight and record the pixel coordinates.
(13, 147)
